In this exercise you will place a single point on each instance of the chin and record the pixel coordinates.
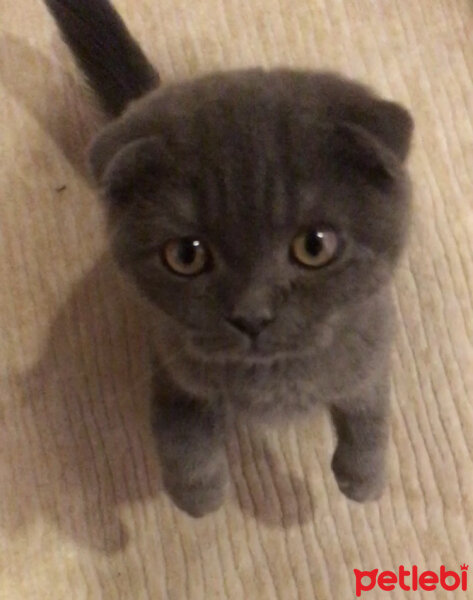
(246, 353)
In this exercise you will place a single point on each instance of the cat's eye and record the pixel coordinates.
(186, 256)
(316, 248)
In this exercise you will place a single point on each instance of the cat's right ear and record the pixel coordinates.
(111, 140)
(124, 167)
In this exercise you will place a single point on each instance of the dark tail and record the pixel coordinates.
(114, 64)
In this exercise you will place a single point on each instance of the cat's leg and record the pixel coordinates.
(362, 426)
(190, 435)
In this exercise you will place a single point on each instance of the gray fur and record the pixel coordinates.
(244, 161)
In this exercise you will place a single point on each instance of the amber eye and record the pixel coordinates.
(315, 248)
(186, 256)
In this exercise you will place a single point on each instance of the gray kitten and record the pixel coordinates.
(262, 214)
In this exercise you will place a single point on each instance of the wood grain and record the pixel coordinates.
(82, 513)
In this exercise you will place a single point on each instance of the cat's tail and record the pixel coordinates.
(114, 64)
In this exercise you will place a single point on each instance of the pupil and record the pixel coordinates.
(187, 251)
(314, 243)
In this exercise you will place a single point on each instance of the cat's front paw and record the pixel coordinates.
(200, 498)
(360, 475)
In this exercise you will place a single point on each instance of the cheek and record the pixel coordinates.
(304, 322)
(188, 301)
(360, 274)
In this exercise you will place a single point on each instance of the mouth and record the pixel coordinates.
(245, 350)
(256, 348)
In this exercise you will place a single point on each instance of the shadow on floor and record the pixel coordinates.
(77, 430)
(85, 444)
(65, 108)
(78, 426)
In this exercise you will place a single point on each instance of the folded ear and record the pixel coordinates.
(388, 122)
(354, 149)
(110, 141)
(135, 169)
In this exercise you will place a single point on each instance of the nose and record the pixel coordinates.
(251, 325)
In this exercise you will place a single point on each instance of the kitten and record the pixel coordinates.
(262, 214)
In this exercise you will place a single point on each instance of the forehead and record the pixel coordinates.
(251, 157)
(256, 224)
(260, 166)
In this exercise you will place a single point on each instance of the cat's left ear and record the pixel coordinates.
(388, 122)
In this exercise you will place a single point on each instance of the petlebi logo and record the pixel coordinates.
(411, 580)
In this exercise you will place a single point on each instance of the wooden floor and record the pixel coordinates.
(82, 513)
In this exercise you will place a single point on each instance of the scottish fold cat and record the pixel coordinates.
(261, 214)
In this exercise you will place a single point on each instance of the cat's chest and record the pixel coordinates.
(296, 383)
(273, 389)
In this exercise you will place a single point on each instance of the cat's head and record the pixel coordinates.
(252, 206)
